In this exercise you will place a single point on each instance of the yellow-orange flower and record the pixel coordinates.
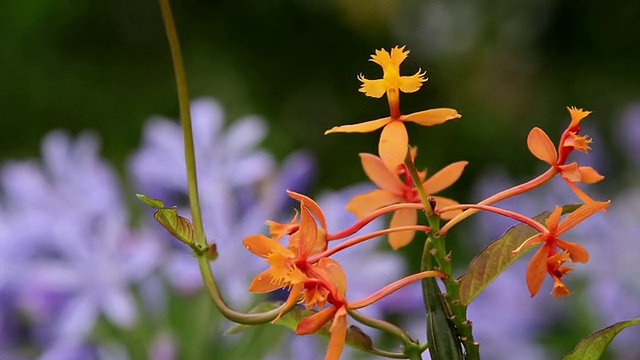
(394, 139)
(547, 259)
(288, 265)
(397, 187)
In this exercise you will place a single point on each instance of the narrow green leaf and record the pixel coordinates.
(592, 347)
(497, 256)
(179, 227)
(154, 203)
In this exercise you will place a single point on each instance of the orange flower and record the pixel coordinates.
(397, 187)
(288, 265)
(547, 258)
(543, 148)
(394, 139)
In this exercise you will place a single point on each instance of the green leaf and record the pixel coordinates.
(154, 203)
(498, 256)
(179, 227)
(592, 347)
(356, 338)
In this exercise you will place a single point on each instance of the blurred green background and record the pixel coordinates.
(505, 66)
(105, 65)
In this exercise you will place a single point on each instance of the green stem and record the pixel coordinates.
(435, 247)
(185, 119)
(411, 347)
(227, 312)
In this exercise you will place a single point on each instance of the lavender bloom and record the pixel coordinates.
(68, 255)
(239, 185)
(629, 132)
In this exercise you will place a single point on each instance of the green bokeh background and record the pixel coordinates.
(506, 66)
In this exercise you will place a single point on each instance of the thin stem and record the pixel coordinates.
(348, 243)
(411, 346)
(227, 312)
(185, 119)
(513, 191)
(504, 212)
(369, 218)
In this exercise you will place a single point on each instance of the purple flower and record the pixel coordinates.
(240, 188)
(69, 254)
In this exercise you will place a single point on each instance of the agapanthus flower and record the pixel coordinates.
(239, 186)
(74, 258)
(394, 139)
(398, 187)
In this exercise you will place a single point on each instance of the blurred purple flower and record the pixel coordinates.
(240, 188)
(628, 132)
(67, 252)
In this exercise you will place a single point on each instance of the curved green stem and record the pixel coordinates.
(411, 346)
(185, 119)
(227, 312)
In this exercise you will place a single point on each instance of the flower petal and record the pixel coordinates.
(263, 246)
(312, 323)
(442, 202)
(338, 335)
(589, 175)
(262, 283)
(307, 235)
(364, 127)
(432, 116)
(580, 214)
(403, 217)
(364, 204)
(335, 273)
(373, 88)
(313, 206)
(554, 219)
(393, 145)
(536, 270)
(380, 174)
(444, 178)
(410, 84)
(576, 251)
(570, 172)
(294, 294)
(576, 116)
(541, 146)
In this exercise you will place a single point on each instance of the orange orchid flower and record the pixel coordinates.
(288, 265)
(394, 139)
(543, 148)
(328, 283)
(397, 187)
(547, 259)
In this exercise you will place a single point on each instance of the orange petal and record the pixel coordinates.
(380, 174)
(338, 335)
(364, 127)
(336, 274)
(364, 204)
(410, 84)
(589, 175)
(263, 246)
(313, 206)
(536, 269)
(373, 88)
(442, 202)
(576, 116)
(398, 55)
(402, 217)
(308, 233)
(444, 178)
(294, 294)
(576, 251)
(541, 146)
(432, 116)
(554, 219)
(312, 323)
(570, 172)
(559, 289)
(262, 283)
(580, 214)
(393, 145)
